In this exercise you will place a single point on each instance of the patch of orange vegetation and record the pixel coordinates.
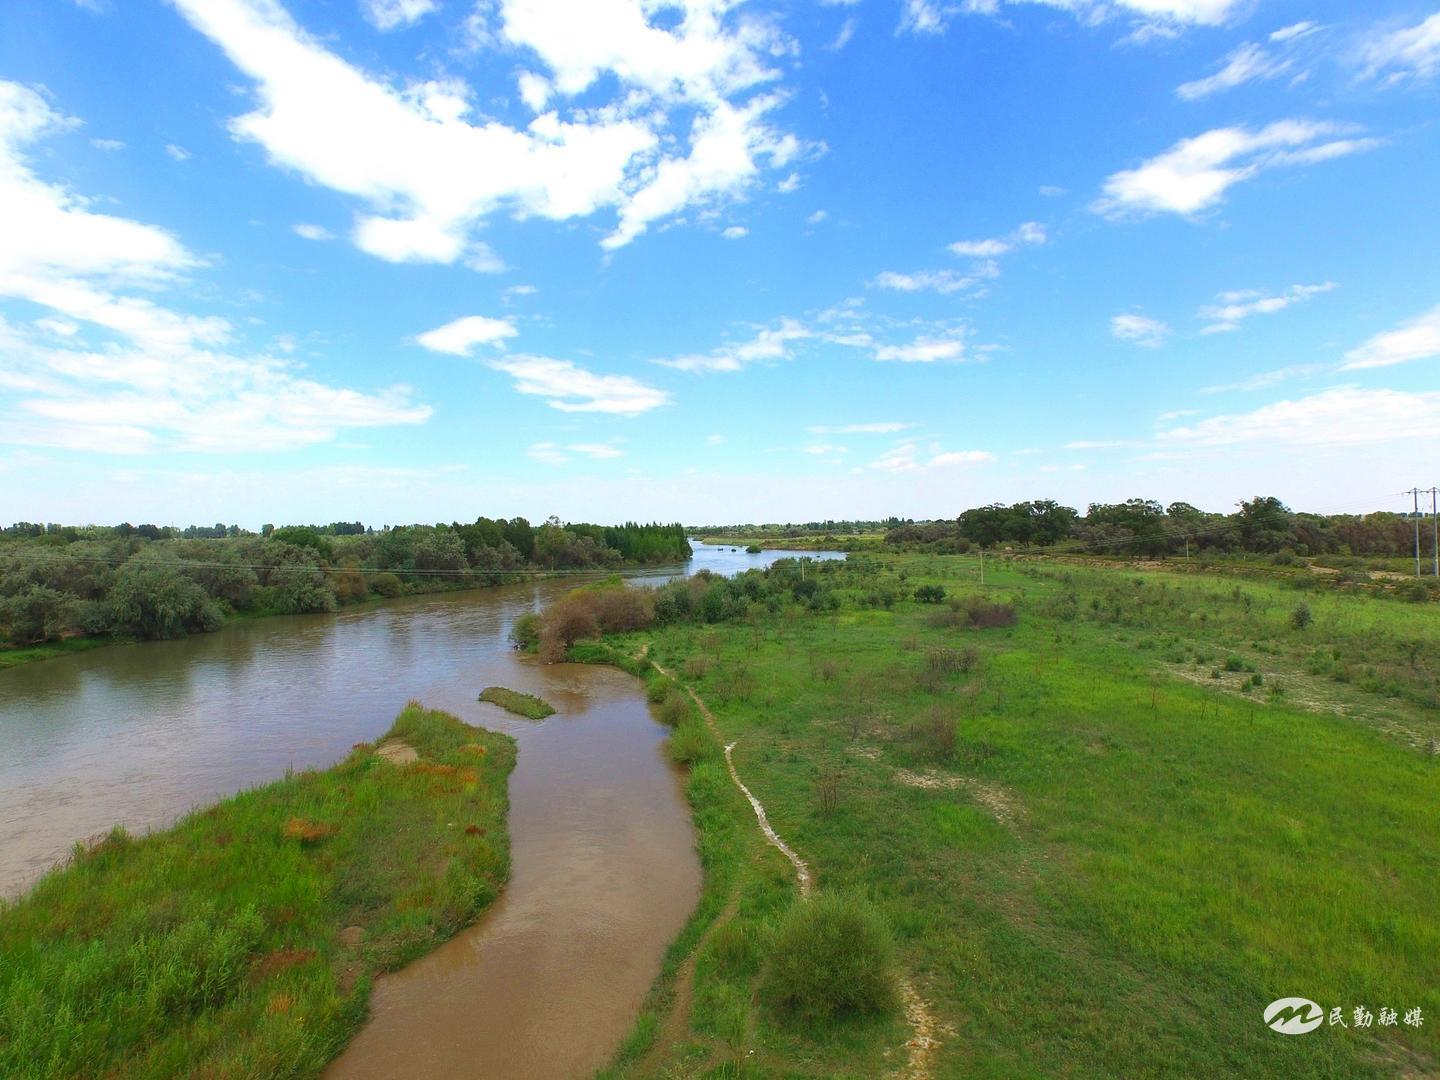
(474, 748)
(279, 1004)
(307, 831)
(278, 961)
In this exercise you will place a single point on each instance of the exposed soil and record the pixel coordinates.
(396, 752)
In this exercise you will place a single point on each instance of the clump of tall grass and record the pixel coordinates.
(675, 709)
(975, 613)
(689, 744)
(832, 959)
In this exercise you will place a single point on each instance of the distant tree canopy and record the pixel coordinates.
(1262, 525)
(161, 581)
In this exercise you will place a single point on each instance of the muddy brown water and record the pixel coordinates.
(604, 871)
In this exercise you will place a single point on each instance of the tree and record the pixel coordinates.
(37, 614)
(154, 600)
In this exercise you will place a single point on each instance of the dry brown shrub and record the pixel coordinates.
(618, 611)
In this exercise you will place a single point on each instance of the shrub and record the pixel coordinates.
(832, 959)
(936, 734)
(386, 585)
(675, 709)
(930, 594)
(620, 610)
(689, 744)
(526, 632)
(1301, 617)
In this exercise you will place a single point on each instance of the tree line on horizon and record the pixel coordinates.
(154, 581)
(1263, 525)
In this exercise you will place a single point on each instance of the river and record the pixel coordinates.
(604, 871)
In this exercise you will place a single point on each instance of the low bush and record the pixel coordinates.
(832, 959)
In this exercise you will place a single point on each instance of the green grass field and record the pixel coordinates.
(1101, 843)
(243, 941)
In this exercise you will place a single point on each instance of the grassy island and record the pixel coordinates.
(526, 705)
(243, 941)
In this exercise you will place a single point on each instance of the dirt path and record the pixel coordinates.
(921, 1046)
(802, 872)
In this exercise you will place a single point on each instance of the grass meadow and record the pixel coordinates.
(1102, 839)
(243, 941)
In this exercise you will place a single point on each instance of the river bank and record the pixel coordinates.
(245, 939)
(1069, 793)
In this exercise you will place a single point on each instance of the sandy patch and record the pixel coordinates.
(1001, 804)
(396, 752)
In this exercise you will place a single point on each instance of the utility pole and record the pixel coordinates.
(1435, 524)
(1415, 495)
(982, 567)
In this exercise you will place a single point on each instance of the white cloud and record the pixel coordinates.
(178, 153)
(1051, 191)
(909, 457)
(1412, 52)
(1099, 444)
(735, 232)
(1235, 307)
(1194, 174)
(684, 128)
(941, 281)
(1417, 339)
(312, 232)
(1244, 64)
(459, 337)
(847, 31)
(548, 452)
(1028, 232)
(1156, 18)
(108, 145)
(884, 427)
(1295, 31)
(158, 368)
(816, 218)
(1343, 416)
(389, 14)
(923, 350)
(716, 440)
(770, 343)
(1140, 330)
(605, 451)
(571, 388)
(513, 291)
(789, 185)
(826, 449)
(1261, 381)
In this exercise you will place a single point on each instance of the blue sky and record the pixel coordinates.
(417, 260)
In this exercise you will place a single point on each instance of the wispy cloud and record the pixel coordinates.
(1194, 174)
(160, 379)
(312, 232)
(571, 388)
(395, 14)
(1411, 52)
(770, 343)
(1343, 416)
(1266, 379)
(1139, 330)
(1235, 307)
(1416, 339)
(884, 427)
(1245, 64)
(923, 350)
